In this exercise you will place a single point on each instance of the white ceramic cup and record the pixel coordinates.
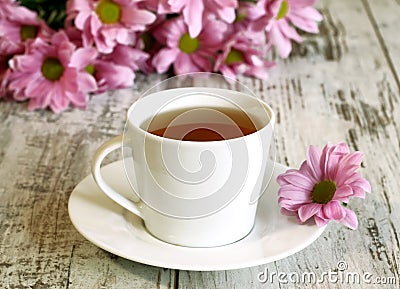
(192, 193)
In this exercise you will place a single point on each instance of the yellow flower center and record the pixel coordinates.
(323, 192)
(108, 11)
(234, 56)
(188, 44)
(28, 32)
(240, 16)
(283, 10)
(52, 69)
(90, 69)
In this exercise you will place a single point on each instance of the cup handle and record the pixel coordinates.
(109, 146)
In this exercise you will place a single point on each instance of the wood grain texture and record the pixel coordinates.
(336, 86)
(42, 158)
(342, 84)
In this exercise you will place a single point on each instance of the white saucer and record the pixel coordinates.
(112, 228)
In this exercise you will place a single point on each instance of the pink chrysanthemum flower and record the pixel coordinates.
(102, 73)
(7, 50)
(240, 57)
(188, 54)
(280, 15)
(324, 181)
(107, 23)
(195, 11)
(22, 24)
(43, 75)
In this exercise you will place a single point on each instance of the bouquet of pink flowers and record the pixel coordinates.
(55, 53)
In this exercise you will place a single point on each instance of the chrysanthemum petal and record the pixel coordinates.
(128, 56)
(258, 72)
(329, 162)
(303, 19)
(201, 61)
(75, 5)
(33, 104)
(59, 100)
(350, 220)
(298, 179)
(307, 211)
(133, 16)
(113, 76)
(294, 193)
(333, 210)
(125, 37)
(213, 33)
(289, 204)
(227, 71)
(23, 14)
(358, 192)
(170, 32)
(83, 57)
(352, 160)
(353, 177)
(348, 165)
(36, 88)
(341, 148)
(362, 183)
(319, 221)
(193, 15)
(69, 80)
(299, 4)
(312, 14)
(23, 80)
(184, 64)
(227, 14)
(87, 83)
(79, 99)
(343, 192)
(283, 44)
(164, 58)
(305, 170)
(289, 31)
(94, 25)
(80, 19)
(26, 63)
(313, 161)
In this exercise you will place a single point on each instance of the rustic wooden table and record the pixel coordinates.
(342, 84)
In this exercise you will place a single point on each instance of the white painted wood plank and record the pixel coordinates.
(42, 158)
(336, 86)
(385, 18)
